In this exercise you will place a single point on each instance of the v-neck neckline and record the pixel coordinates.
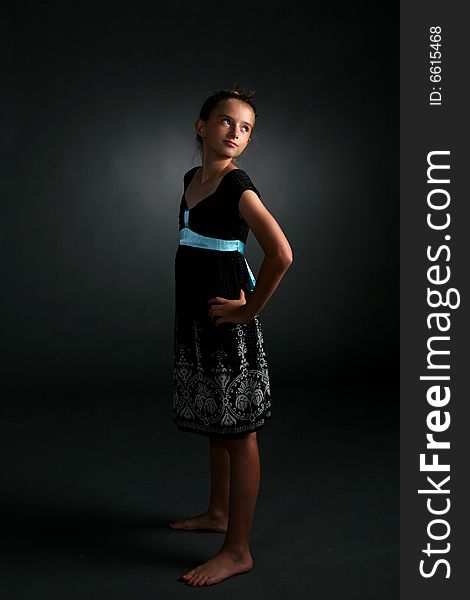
(206, 197)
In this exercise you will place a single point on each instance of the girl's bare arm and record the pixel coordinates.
(278, 253)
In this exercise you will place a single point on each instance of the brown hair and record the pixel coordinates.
(213, 100)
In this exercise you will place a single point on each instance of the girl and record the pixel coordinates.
(221, 380)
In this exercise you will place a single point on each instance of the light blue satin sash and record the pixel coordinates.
(191, 238)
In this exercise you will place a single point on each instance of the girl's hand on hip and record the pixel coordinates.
(228, 311)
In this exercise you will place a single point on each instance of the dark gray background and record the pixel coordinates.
(98, 118)
(98, 131)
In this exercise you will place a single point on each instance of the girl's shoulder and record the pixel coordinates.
(241, 181)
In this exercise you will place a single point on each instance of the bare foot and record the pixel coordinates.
(204, 522)
(218, 568)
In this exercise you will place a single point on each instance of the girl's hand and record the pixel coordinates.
(228, 311)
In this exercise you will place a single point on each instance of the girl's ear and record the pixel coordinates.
(200, 127)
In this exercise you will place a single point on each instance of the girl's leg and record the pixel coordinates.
(220, 480)
(216, 516)
(244, 488)
(234, 556)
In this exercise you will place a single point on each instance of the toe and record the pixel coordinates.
(191, 578)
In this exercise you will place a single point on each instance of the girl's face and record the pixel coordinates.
(231, 120)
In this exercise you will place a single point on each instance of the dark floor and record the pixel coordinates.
(91, 477)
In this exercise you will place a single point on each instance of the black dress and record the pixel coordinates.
(221, 380)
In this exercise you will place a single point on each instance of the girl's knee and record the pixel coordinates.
(234, 443)
(242, 442)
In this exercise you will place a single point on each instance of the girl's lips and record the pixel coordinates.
(230, 143)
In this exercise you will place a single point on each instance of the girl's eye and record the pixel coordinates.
(228, 121)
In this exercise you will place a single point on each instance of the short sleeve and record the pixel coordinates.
(242, 182)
